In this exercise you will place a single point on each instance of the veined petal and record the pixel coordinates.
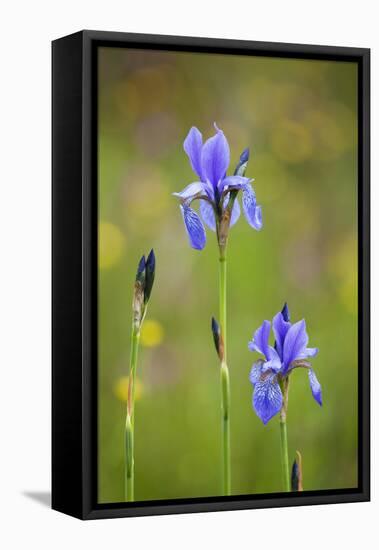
(315, 386)
(194, 227)
(259, 342)
(215, 158)
(252, 211)
(280, 328)
(191, 190)
(295, 343)
(267, 397)
(208, 215)
(193, 145)
(256, 371)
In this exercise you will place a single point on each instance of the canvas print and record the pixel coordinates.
(227, 275)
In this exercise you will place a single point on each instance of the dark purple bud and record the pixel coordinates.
(138, 295)
(242, 164)
(141, 271)
(286, 313)
(295, 477)
(150, 262)
(150, 274)
(297, 474)
(245, 155)
(217, 337)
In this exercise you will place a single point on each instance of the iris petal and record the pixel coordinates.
(274, 362)
(267, 397)
(295, 344)
(191, 190)
(234, 182)
(252, 211)
(207, 213)
(193, 145)
(310, 352)
(215, 158)
(194, 227)
(256, 371)
(236, 212)
(315, 386)
(280, 328)
(259, 342)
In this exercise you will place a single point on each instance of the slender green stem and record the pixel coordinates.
(284, 450)
(129, 425)
(225, 384)
(222, 299)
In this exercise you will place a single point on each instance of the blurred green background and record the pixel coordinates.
(299, 118)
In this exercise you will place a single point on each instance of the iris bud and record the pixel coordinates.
(286, 313)
(217, 337)
(242, 163)
(297, 474)
(143, 286)
(150, 274)
(140, 276)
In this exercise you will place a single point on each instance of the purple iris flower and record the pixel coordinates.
(210, 162)
(290, 351)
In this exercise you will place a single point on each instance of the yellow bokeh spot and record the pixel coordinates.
(121, 388)
(348, 293)
(334, 130)
(152, 333)
(343, 263)
(111, 245)
(291, 142)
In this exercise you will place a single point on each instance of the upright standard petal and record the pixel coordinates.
(191, 190)
(259, 342)
(267, 397)
(295, 343)
(208, 215)
(280, 328)
(193, 145)
(252, 211)
(215, 158)
(194, 227)
(315, 386)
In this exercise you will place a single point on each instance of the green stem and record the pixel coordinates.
(284, 384)
(284, 449)
(222, 299)
(129, 426)
(225, 384)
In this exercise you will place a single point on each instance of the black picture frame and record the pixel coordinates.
(74, 273)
